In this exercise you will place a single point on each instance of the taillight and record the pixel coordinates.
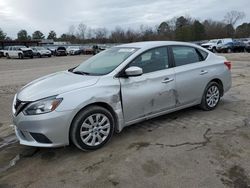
(228, 64)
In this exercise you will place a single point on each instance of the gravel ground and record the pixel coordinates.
(189, 148)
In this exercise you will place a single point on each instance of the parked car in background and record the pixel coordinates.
(98, 48)
(212, 44)
(1, 53)
(247, 47)
(52, 49)
(119, 87)
(40, 51)
(88, 50)
(60, 51)
(235, 46)
(17, 52)
(74, 50)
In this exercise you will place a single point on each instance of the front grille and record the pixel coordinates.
(19, 106)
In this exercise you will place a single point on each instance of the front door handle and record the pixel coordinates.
(203, 72)
(166, 80)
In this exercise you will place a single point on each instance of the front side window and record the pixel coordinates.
(105, 62)
(184, 55)
(152, 60)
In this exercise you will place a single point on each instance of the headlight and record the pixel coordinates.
(43, 106)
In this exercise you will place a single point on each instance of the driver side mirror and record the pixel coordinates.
(133, 71)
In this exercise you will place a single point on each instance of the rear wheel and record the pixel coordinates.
(39, 55)
(20, 56)
(229, 50)
(92, 128)
(211, 96)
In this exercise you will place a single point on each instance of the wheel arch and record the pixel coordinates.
(101, 104)
(220, 83)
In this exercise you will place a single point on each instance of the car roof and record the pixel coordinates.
(152, 44)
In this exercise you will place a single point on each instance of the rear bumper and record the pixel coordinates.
(46, 130)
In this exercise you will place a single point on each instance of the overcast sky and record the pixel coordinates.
(58, 15)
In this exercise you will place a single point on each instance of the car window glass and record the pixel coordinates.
(219, 42)
(203, 54)
(184, 55)
(152, 60)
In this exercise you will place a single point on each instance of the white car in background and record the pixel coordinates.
(73, 50)
(17, 52)
(40, 51)
(213, 44)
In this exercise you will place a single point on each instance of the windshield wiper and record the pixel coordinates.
(80, 72)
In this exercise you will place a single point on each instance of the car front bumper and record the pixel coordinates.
(45, 130)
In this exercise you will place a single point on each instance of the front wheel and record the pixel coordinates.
(92, 128)
(211, 96)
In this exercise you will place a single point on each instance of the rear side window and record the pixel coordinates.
(184, 55)
(203, 54)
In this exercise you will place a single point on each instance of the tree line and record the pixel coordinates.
(183, 28)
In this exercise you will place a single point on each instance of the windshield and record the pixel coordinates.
(106, 61)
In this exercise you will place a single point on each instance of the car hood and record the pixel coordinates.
(208, 44)
(55, 84)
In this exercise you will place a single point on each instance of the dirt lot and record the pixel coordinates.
(189, 148)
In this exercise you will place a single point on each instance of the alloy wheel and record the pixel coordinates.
(95, 129)
(213, 96)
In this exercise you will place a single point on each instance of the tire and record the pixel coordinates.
(93, 137)
(7, 56)
(39, 55)
(31, 57)
(229, 50)
(49, 55)
(20, 56)
(214, 50)
(213, 88)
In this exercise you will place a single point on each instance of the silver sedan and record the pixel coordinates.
(118, 87)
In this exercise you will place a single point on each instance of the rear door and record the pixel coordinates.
(191, 74)
(153, 91)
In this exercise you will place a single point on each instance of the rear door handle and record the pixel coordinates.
(166, 80)
(203, 72)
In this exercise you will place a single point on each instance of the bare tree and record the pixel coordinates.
(72, 30)
(233, 17)
(101, 34)
(81, 30)
(89, 33)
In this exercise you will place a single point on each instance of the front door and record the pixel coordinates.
(153, 91)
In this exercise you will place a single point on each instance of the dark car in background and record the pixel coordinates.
(247, 47)
(61, 51)
(235, 46)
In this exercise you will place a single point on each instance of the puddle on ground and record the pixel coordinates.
(8, 140)
(24, 153)
(11, 163)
